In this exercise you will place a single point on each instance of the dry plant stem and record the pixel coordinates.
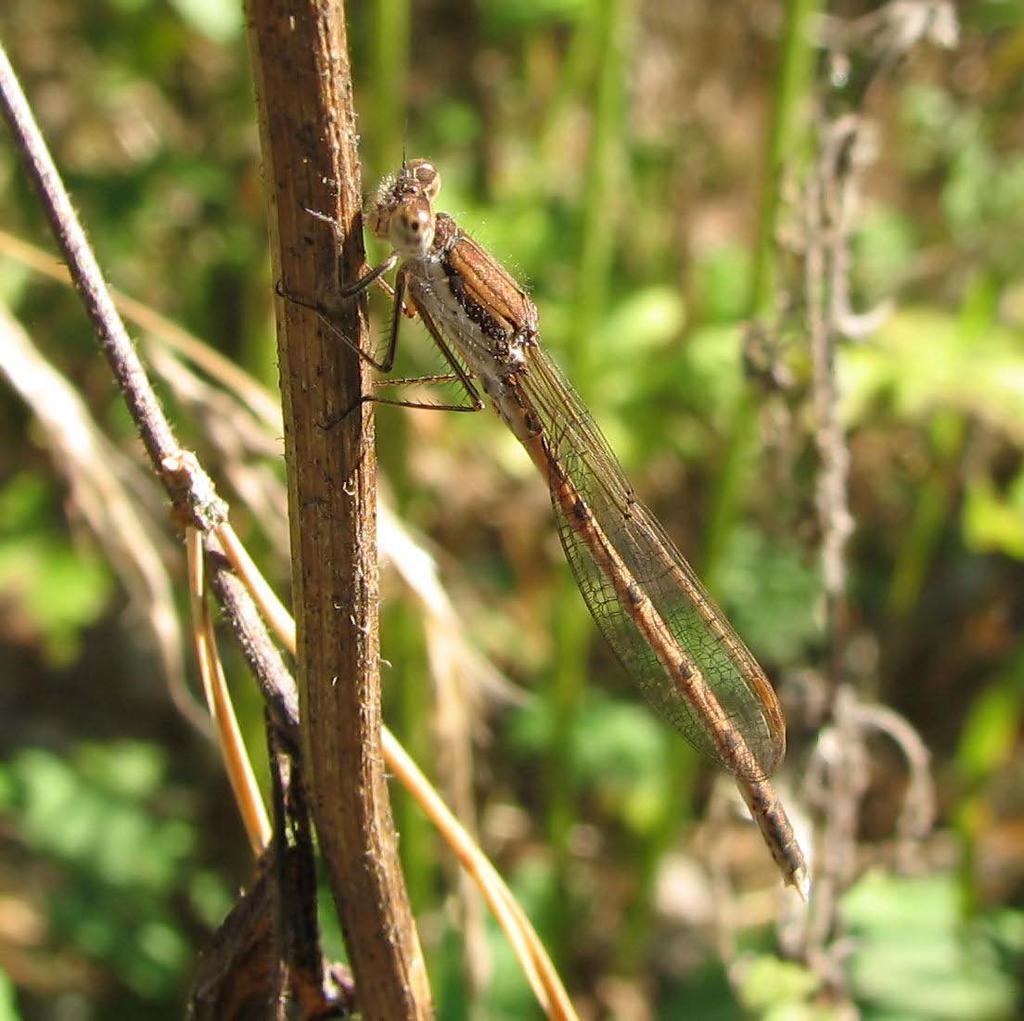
(540, 972)
(300, 964)
(189, 488)
(237, 443)
(236, 758)
(917, 815)
(275, 681)
(308, 141)
(845, 764)
(455, 710)
(272, 609)
(279, 689)
(838, 777)
(846, 768)
(834, 457)
(830, 204)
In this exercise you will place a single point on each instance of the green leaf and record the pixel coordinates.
(90, 814)
(773, 593)
(920, 360)
(916, 958)
(8, 1001)
(770, 984)
(724, 284)
(885, 243)
(55, 589)
(219, 20)
(989, 736)
(503, 16)
(621, 750)
(994, 522)
(98, 820)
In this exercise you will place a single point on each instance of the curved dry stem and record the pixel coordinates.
(917, 813)
(273, 611)
(539, 969)
(237, 764)
(96, 475)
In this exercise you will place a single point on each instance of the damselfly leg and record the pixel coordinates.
(400, 305)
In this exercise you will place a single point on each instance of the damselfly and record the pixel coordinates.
(669, 635)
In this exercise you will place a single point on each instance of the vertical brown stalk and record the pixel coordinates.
(304, 90)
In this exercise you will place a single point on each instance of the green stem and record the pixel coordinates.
(932, 509)
(597, 226)
(793, 83)
(568, 684)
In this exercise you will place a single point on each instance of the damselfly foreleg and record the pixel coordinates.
(385, 364)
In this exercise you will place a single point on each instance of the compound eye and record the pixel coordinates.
(426, 177)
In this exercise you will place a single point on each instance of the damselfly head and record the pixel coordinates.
(403, 210)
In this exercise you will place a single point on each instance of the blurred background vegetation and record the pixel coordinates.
(624, 158)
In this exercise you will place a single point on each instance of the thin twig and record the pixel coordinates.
(190, 490)
(823, 236)
(268, 668)
(272, 609)
(917, 813)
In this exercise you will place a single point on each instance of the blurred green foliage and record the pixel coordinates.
(616, 156)
(914, 957)
(60, 590)
(113, 845)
